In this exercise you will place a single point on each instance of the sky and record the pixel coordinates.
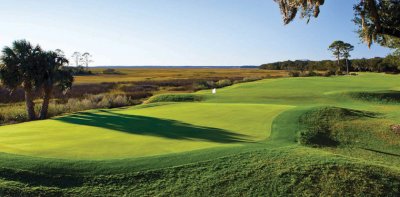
(180, 32)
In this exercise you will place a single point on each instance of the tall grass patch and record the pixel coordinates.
(16, 113)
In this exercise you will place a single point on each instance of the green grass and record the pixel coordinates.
(141, 132)
(241, 141)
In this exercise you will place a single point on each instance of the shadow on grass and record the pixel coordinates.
(143, 125)
(381, 152)
(388, 96)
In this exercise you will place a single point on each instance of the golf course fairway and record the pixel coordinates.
(243, 140)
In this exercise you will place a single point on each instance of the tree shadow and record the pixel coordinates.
(143, 125)
(386, 96)
(381, 152)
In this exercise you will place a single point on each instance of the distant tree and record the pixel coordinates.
(77, 57)
(390, 63)
(21, 69)
(359, 65)
(341, 49)
(393, 62)
(54, 74)
(86, 59)
(347, 48)
(378, 20)
(337, 49)
(393, 59)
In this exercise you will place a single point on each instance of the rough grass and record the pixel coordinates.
(318, 124)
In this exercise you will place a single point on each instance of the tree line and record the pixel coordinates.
(388, 64)
(341, 51)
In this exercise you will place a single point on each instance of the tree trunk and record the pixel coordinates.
(338, 59)
(347, 65)
(30, 105)
(46, 101)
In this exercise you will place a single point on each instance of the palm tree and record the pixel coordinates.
(21, 69)
(54, 74)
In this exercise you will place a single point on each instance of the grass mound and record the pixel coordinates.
(175, 98)
(379, 97)
(318, 124)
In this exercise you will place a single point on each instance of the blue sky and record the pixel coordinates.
(179, 32)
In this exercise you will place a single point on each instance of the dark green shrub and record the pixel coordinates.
(223, 83)
(174, 98)
(308, 74)
(329, 73)
(200, 86)
(250, 79)
(339, 72)
(203, 85)
(110, 71)
(1, 118)
(294, 74)
(79, 71)
(210, 84)
(312, 73)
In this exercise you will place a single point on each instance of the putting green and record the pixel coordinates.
(137, 132)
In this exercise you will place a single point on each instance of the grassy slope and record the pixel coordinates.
(279, 166)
